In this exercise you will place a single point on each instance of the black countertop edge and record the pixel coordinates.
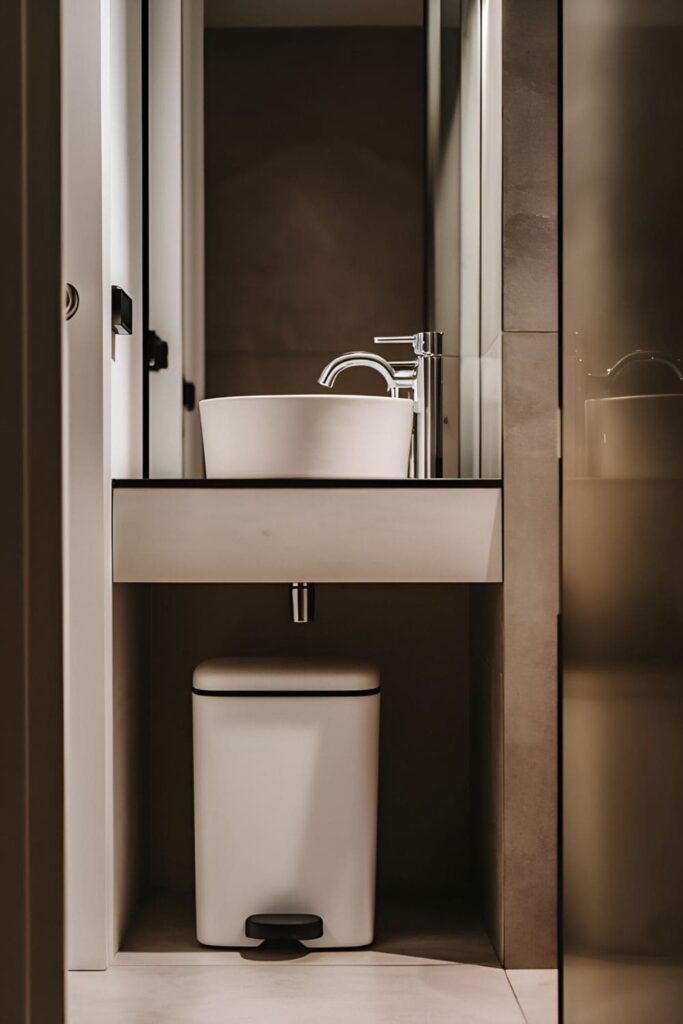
(197, 484)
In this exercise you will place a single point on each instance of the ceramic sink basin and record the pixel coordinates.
(635, 437)
(306, 436)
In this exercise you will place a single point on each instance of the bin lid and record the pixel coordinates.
(284, 675)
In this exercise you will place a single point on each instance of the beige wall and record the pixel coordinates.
(124, 126)
(314, 201)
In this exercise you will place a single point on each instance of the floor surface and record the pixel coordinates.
(295, 994)
(536, 993)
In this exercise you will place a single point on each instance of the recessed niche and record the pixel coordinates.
(434, 897)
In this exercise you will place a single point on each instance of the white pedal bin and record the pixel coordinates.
(285, 797)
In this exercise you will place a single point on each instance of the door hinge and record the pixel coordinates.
(189, 395)
(121, 311)
(156, 351)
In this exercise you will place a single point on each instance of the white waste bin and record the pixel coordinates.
(285, 792)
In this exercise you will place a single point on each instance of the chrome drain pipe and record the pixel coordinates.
(302, 597)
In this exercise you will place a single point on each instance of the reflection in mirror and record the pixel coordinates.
(314, 181)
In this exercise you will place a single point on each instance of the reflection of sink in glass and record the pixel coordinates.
(306, 436)
(635, 437)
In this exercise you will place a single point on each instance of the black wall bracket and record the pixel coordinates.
(189, 395)
(121, 311)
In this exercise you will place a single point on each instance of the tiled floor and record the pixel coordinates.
(536, 993)
(295, 994)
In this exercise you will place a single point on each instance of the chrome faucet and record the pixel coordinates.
(397, 376)
(422, 378)
(640, 355)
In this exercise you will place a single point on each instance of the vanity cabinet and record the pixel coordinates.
(192, 531)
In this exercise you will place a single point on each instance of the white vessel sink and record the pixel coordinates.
(306, 436)
(635, 437)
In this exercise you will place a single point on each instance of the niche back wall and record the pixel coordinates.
(418, 637)
(314, 201)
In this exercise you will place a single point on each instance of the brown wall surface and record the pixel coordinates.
(131, 614)
(530, 479)
(530, 165)
(31, 730)
(314, 201)
(487, 756)
(530, 609)
(418, 635)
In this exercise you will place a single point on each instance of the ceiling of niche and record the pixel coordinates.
(310, 13)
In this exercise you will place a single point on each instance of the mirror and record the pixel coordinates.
(314, 180)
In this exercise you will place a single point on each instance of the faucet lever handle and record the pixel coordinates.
(396, 339)
(424, 343)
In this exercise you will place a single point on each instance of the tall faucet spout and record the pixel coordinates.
(422, 378)
(395, 377)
